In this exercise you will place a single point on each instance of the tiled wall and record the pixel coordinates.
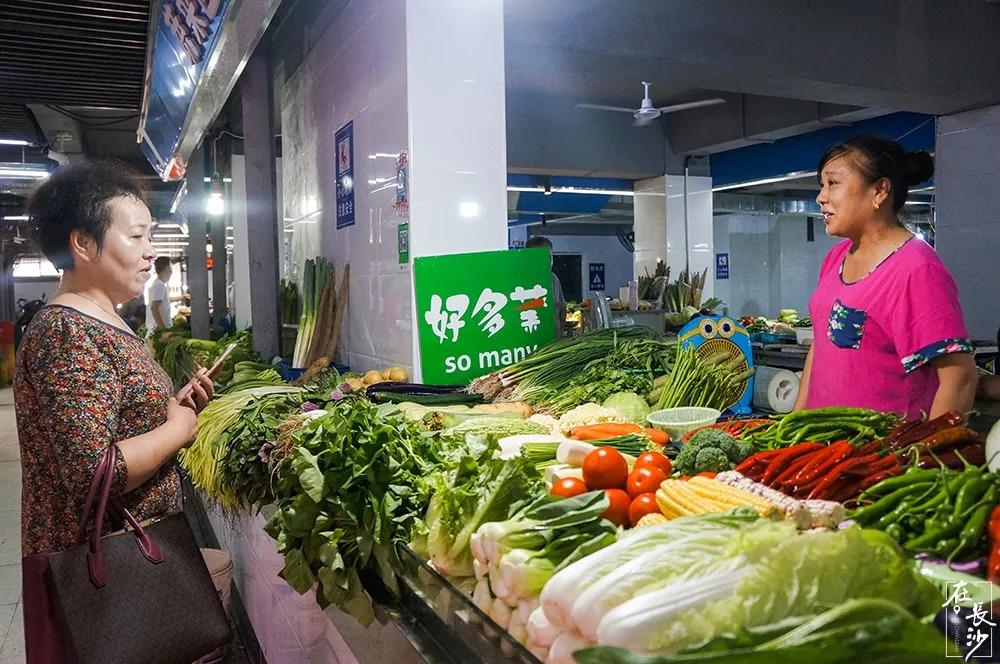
(357, 71)
(967, 230)
(650, 224)
(772, 265)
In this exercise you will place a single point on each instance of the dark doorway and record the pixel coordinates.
(569, 269)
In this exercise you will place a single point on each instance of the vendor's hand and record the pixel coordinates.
(201, 391)
(184, 419)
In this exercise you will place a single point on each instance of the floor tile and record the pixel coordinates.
(6, 618)
(10, 451)
(10, 584)
(10, 485)
(10, 537)
(13, 646)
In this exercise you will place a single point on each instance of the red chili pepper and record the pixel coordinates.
(761, 458)
(791, 471)
(782, 461)
(838, 471)
(825, 461)
(871, 447)
(993, 563)
(974, 453)
(885, 463)
(927, 429)
(899, 430)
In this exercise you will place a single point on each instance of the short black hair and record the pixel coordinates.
(538, 241)
(75, 198)
(876, 158)
(161, 263)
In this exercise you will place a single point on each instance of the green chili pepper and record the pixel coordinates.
(971, 492)
(895, 531)
(889, 486)
(935, 532)
(886, 505)
(973, 530)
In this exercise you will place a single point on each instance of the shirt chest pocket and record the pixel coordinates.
(846, 326)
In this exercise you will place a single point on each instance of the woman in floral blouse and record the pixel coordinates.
(890, 334)
(83, 381)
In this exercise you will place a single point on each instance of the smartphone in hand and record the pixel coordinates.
(213, 372)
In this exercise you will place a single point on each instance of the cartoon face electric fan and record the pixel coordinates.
(710, 335)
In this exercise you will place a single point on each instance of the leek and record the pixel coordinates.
(314, 278)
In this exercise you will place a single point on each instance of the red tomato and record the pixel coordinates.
(654, 459)
(605, 468)
(617, 512)
(568, 487)
(643, 504)
(644, 479)
(710, 476)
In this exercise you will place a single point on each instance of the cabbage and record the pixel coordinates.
(799, 576)
(630, 405)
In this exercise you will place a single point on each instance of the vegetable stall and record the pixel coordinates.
(539, 515)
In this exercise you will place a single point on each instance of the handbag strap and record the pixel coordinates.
(100, 490)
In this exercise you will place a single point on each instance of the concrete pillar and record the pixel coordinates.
(217, 230)
(457, 124)
(649, 225)
(241, 246)
(261, 203)
(197, 252)
(967, 214)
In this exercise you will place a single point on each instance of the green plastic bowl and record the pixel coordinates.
(678, 421)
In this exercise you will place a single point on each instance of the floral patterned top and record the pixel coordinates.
(882, 331)
(81, 385)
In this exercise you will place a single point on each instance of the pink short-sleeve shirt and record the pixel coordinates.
(876, 337)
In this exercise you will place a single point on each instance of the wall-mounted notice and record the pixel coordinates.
(345, 175)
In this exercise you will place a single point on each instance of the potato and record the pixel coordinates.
(355, 383)
(373, 377)
(386, 374)
(398, 374)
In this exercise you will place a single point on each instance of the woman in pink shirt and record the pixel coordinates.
(889, 329)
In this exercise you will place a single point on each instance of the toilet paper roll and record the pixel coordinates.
(776, 389)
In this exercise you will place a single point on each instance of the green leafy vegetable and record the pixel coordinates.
(629, 404)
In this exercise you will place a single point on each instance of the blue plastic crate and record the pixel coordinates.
(290, 374)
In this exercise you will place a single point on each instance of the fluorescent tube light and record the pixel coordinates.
(14, 141)
(16, 217)
(26, 173)
(575, 190)
(780, 178)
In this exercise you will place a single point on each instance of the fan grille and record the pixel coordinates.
(718, 345)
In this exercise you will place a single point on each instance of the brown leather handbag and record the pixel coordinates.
(142, 596)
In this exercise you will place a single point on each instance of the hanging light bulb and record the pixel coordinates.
(215, 205)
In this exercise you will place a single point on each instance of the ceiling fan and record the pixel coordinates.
(646, 112)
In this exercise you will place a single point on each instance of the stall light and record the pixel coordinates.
(17, 217)
(164, 245)
(468, 209)
(14, 141)
(168, 225)
(215, 205)
(918, 203)
(179, 236)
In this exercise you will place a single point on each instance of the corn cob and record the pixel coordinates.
(697, 503)
(651, 519)
(731, 496)
(792, 509)
(668, 505)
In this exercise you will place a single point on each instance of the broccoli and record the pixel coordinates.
(710, 451)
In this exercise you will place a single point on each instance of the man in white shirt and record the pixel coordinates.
(558, 298)
(158, 296)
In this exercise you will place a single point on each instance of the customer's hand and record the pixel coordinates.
(184, 419)
(201, 391)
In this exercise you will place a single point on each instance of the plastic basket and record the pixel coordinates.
(678, 421)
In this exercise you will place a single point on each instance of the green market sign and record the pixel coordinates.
(477, 313)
